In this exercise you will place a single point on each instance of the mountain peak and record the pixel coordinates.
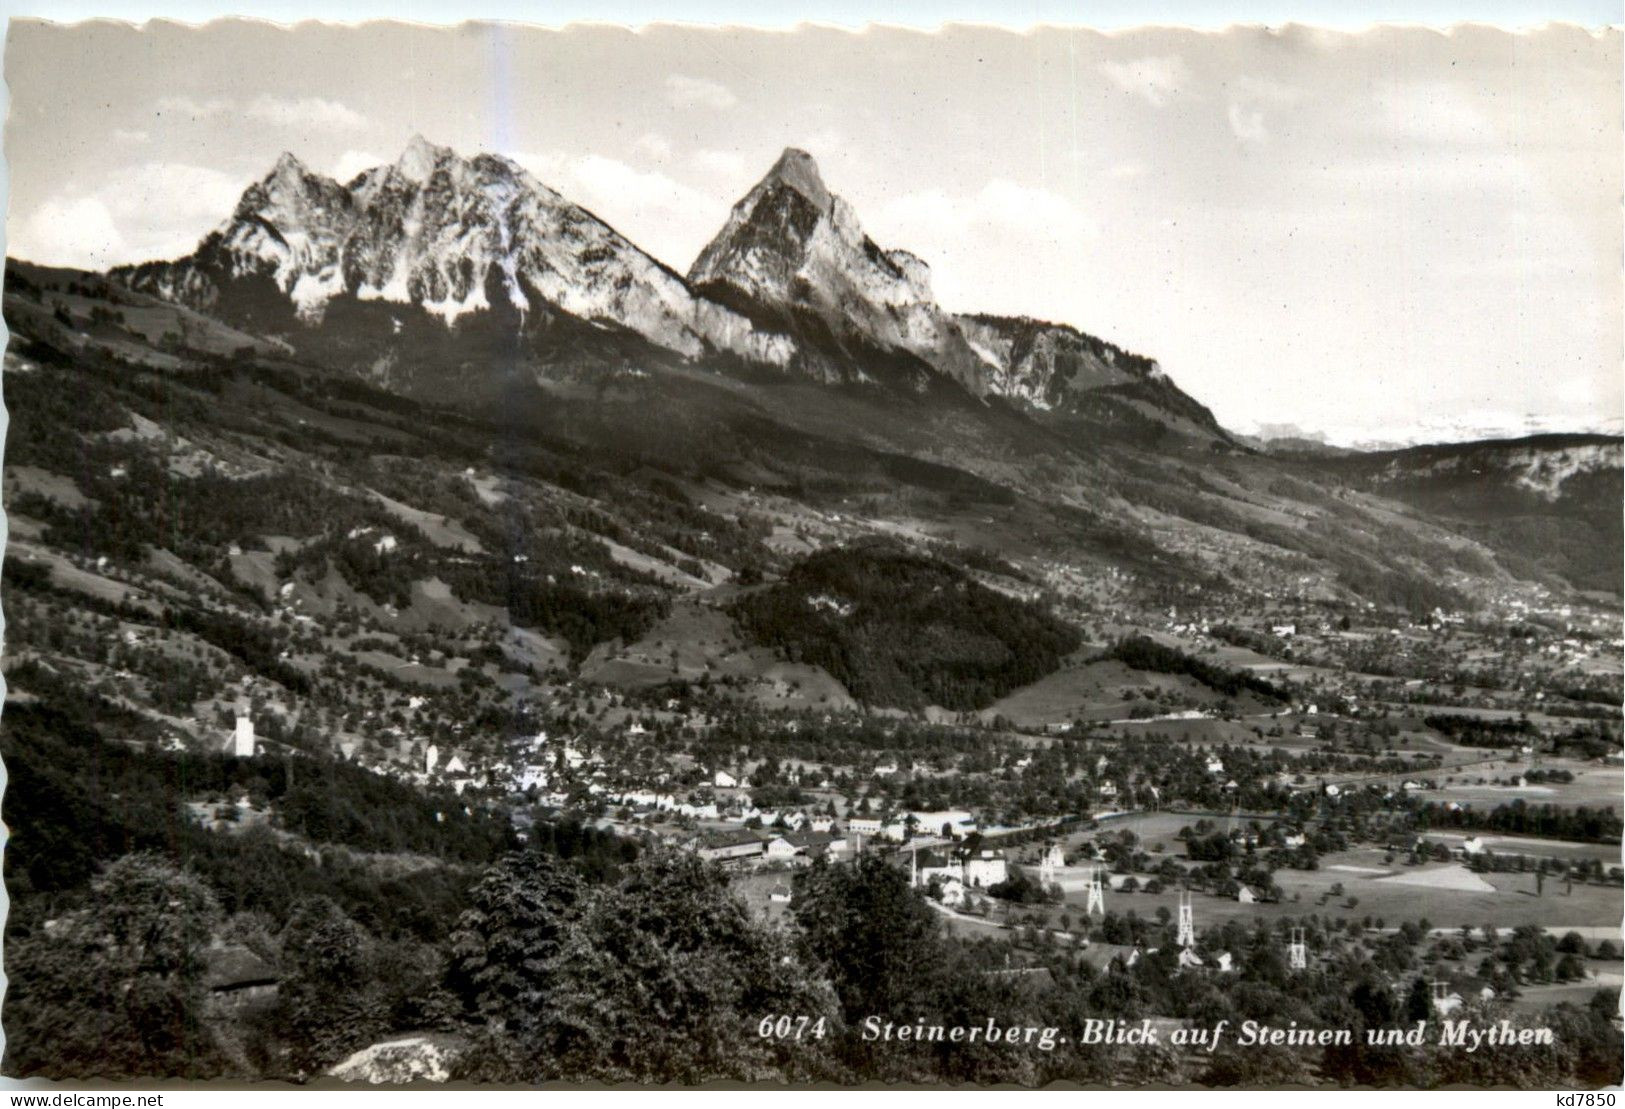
(797, 169)
(288, 164)
(418, 161)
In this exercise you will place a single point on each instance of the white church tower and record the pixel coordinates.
(242, 738)
(431, 759)
(1052, 860)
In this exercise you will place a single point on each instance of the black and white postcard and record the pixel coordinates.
(685, 555)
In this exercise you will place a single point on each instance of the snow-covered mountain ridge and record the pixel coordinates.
(478, 244)
(447, 234)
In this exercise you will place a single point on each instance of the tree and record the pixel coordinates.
(330, 1003)
(869, 930)
(116, 989)
(662, 976)
(504, 945)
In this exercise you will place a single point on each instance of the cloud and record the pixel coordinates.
(1155, 78)
(697, 92)
(659, 213)
(1001, 206)
(134, 214)
(657, 147)
(352, 162)
(304, 113)
(77, 232)
(1247, 124)
(186, 106)
(725, 164)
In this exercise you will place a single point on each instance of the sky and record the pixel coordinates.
(1391, 236)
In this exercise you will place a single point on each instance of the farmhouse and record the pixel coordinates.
(732, 848)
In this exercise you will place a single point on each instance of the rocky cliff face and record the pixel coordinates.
(451, 236)
(438, 264)
(792, 246)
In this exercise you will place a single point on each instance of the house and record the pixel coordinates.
(724, 780)
(886, 769)
(1472, 845)
(237, 978)
(732, 848)
(987, 869)
(820, 824)
(864, 826)
(810, 845)
(1108, 789)
(779, 850)
(1214, 766)
(780, 894)
(970, 871)
(953, 892)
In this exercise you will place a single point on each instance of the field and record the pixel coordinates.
(1096, 691)
(1395, 894)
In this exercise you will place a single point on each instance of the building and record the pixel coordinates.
(779, 850)
(811, 845)
(864, 826)
(973, 872)
(242, 738)
(954, 823)
(740, 848)
(236, 978)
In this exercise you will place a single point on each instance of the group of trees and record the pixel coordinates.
(654, 969)
(1142, 653)
(905, 630)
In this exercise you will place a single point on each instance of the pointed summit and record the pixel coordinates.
(288, 164)
(799, 253)
(797, 169)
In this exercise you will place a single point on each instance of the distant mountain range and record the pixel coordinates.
(376, 274)
(796, 360)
